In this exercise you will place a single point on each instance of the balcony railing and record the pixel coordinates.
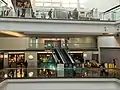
(58, 73)
(57, 14)
(63, 45)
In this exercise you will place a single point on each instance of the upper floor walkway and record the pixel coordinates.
(58, 26)
(58, 20)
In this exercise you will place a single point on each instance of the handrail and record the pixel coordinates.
(112, 9)
(69, 56)
(60, 56)
(4, 2)
(54, 56)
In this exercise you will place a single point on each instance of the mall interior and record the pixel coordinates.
(59, 44)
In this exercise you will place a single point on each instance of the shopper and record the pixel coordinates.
(114, 62)
(24, 6)
(26, 64)
(50, 14)
(19, 5)
(25, 71)
(69, 15)
(103, 70)
(75, 14)
(33, 15)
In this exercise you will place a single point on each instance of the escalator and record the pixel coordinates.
(66, 56)
(55, 58)
(59, 57)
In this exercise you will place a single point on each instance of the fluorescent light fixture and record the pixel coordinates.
(12, 33)
(84, 55)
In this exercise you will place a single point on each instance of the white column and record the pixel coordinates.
(32, 63)
(5, 60)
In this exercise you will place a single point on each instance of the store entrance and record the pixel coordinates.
(46, 65)
(16, 60)
(77, 57)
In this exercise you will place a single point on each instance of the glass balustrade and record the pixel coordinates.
(60, 9)
(63, 45)
(57, 73)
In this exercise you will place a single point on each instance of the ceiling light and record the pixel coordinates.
(84, 55)
(12, 33)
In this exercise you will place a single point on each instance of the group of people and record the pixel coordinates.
(73, 15)
(6, 11)
(21, 8)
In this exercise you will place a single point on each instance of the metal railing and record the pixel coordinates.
(63, 45)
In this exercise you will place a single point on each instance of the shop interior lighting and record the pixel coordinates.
(30, 57)
(5, 56)
(5, 76)
(85, 55)
(30, 74)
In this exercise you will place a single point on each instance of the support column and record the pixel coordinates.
(32, 63)
(5, 60)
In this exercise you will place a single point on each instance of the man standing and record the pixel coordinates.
(50, 14)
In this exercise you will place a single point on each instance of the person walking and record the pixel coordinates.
(75, 14)
(50, 14)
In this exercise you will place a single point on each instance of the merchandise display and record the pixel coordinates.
(16, 61)
(46, 64)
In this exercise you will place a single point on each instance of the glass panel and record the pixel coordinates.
(38, 4)
(47, 4)
(39, 0)
(73, 1)
(56, 0)
(65, 5)
(65, 1)
(73, 5)
(47, 0)
(56, 5)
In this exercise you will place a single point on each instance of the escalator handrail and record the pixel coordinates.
(63, 56)
(54, 56)
(60, 56)
(69, 57)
